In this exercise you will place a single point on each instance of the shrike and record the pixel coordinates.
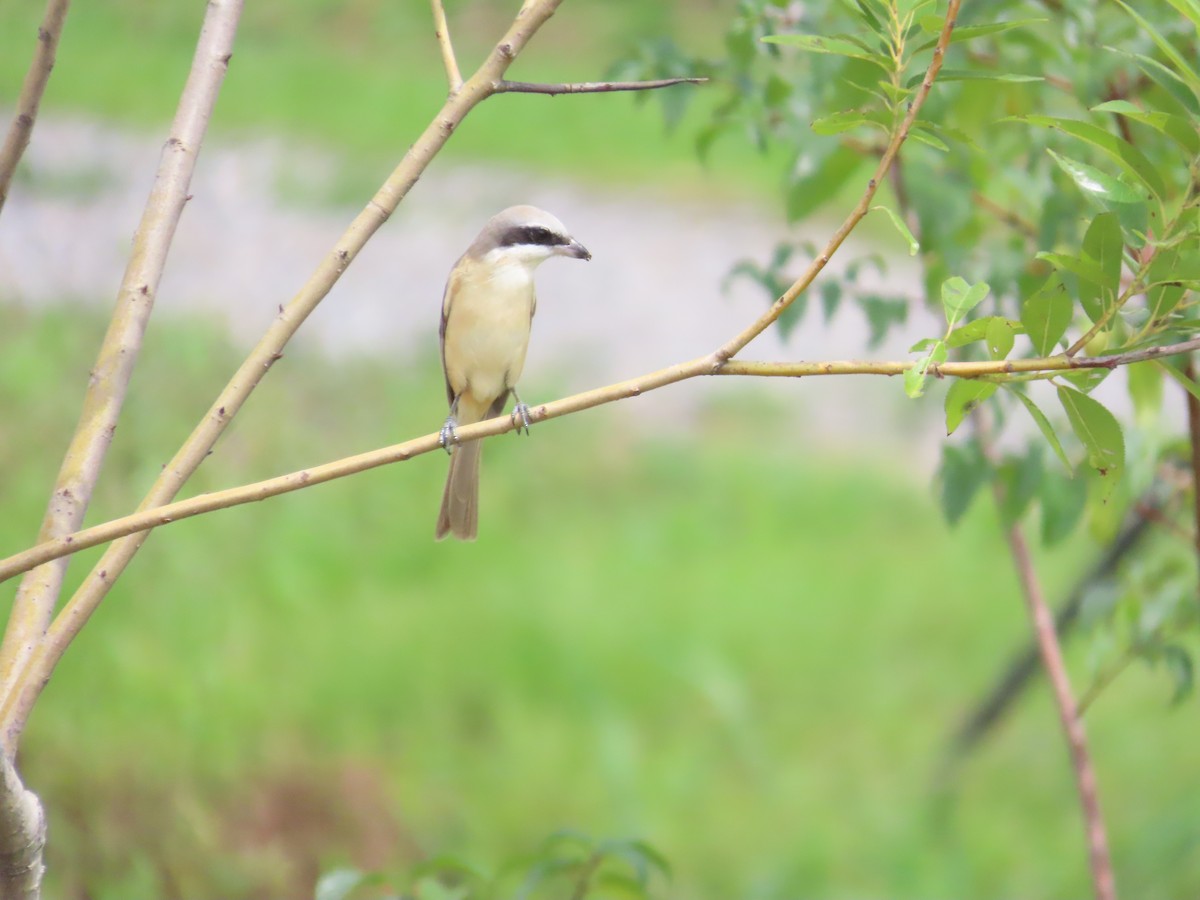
(487, 312)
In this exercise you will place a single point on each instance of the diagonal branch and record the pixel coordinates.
(34, 675)
(148, 518)
(119, 351)
(32, 89)
(735, 346)
(590, 87)
(442, 32)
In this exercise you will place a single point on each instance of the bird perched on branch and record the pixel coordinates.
(487, 312)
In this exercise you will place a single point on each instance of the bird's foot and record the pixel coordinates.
(520, 417)
(448, 435)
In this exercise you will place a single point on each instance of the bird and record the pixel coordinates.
(487, 314)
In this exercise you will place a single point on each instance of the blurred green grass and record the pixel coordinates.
(748, 654)
(365, 77)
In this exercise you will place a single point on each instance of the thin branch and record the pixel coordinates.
(22, 836)
(442, 32)
(32, 89)
(1056, 669)
(148, 518)
(738, 343)
(1193, 411)
(18, 703)
(105, 395)
(590, 87)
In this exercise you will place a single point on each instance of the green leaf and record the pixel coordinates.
(964, 396)
(977, 330)
(820, 183)
(1186, 383)
(1145, 384)
(933, 25)
(1175, 127)
(1098, 431)
(1043, 425)
(975, 75)
(339, 884)
(1086, 380)
(1000, 337)
(1096, 184)
(843, 45)
(1182, 67)
(842, 121)
(1103, 245)
(1019, 477)
(1171, 271)
(963, 472)
(1063, 500)
(959, 297)
(1085, 268)
(1173, 84)
(1129, 158)
(1047, 314)
(882, 313)
(923, 136)
(1178, 662)
(914, 377)
(913, 246)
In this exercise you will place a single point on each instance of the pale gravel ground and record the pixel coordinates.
(651, 296)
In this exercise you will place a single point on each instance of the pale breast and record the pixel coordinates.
(487, 331)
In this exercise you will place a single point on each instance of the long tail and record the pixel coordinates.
(460, 500)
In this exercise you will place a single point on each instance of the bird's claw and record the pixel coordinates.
(448, 435)
(520, 417)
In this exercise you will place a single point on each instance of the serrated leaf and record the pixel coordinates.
(1063, 500)
(1098, 431)
(965, 396)
(1047, 314)
(959, 297)
(1103, 245)
(914, 377)
(1095, 183)
(1043, 425)
(913, 246)
(962, 473)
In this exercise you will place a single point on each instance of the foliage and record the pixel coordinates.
(566, 864)
(1053, 186)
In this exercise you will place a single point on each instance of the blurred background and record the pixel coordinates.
(726, 618)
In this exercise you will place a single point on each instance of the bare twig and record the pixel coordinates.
(32, 89)
(153, 517)
(109, 380)
(442, 32)
(590, 87)
(32, 677)
(1056, 669)
(736, 345)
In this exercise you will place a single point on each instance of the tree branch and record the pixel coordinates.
(1193, 413)
(32, 89)
(119, 351)
(442, 32)
(1056, 670)
(148, 518)
(738, 343)
(30, 680)
(590, 87)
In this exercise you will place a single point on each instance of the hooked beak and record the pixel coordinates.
(576, 250)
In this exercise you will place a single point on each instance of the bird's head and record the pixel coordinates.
(527, 235)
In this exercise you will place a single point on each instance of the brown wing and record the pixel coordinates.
(451, 284)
